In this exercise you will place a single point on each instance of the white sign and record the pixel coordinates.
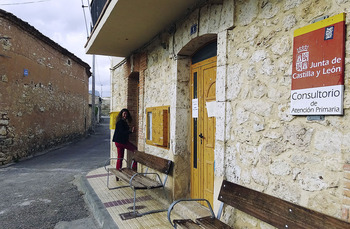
(319, 100)
(211, 109)
(194, 108)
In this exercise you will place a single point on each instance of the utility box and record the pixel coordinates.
(113, 119)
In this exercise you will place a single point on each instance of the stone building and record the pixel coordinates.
(215, 76)
(43, 91)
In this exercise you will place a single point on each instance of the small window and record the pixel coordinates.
(157, 132)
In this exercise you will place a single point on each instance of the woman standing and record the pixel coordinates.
(121, 136)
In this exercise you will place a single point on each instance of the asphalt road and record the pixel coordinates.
(40, 192)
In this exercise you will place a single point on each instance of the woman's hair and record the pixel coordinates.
(128, 116)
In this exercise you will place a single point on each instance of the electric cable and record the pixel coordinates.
(23, 3)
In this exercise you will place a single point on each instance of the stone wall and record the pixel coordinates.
(266, 148)
(258, 143)
(47, 105)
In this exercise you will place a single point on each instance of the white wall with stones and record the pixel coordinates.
(258, 143)
(266, 148)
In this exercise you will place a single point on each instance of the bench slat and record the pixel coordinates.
(139, 182)
(186, 223)
(142, 182)
(124, 174)
(275, 211)
(211, 223)
(160, 164)
(121, 175)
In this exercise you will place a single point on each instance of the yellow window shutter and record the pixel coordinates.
(158, 126)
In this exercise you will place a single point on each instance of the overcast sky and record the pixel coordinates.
(63, 22)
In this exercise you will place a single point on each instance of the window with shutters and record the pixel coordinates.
(158, 119)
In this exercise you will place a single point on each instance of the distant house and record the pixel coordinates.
(43, 91)
(106, 106)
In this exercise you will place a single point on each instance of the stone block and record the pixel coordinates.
(317, 201)
(7, 142)
(222, 48)
(233, 81)
(312, 180)
(269, 10)
(219, 158)
(258, 127)
(251, 33)
(286, 190)
(245, 177)
(258, 56)
(289, 22)
(227, 15)
(221, 83)
(273, 148)
(220, 122)
(214, 22)
(3, 131)
(280, 168)
(4, 78)
(298, 135)
(290, 4)
(278, 94)
(268, 68)
(251, 72)
(4, 122)
(260, 176)
(281, 46)
(283, 113)
(242, 115)
(233, 170)
(6, 43)
(328, 141)
(258, 107)
(247, 11)
(242, 53)
(259, 89)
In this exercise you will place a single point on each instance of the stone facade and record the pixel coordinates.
(43, 91)
(258, 143)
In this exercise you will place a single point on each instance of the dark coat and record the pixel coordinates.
(121, 132)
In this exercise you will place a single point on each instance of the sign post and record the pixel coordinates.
(318, 68)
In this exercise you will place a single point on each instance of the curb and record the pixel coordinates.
(96, 206)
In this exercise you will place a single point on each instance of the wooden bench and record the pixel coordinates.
(272, 210)
(136, 180)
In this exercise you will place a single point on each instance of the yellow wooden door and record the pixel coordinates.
(203, 129)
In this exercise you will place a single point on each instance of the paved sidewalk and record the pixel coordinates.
(119, 201)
